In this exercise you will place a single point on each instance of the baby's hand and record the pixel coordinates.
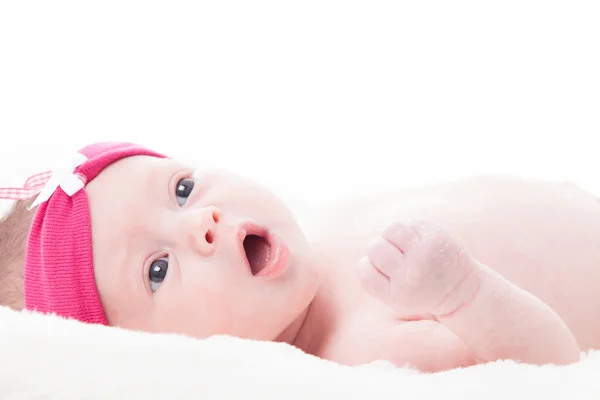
(419, 269)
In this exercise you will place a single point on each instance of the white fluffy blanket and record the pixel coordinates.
(44, 357)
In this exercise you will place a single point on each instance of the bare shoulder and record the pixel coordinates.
(462, 203)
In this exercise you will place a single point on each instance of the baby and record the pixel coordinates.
(493, 268)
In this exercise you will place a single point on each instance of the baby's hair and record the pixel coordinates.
(14, 228)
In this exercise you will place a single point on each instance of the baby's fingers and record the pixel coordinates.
(373, 281)
(403, 236)
(384, 256)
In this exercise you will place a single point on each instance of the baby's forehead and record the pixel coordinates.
(129, 182)
(136, 168)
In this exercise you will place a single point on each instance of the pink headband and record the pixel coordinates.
(59, 266)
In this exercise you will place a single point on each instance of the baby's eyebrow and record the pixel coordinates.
(156, 179)
(195, 174)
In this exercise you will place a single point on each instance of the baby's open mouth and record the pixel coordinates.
(258, 252)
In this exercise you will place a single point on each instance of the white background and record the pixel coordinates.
(317, 99)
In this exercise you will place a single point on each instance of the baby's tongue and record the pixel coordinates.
(257, 252)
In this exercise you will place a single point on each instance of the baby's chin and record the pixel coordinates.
(309, 276)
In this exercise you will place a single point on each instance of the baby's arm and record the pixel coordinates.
(505, 322)
(429, 346)
(423, 272)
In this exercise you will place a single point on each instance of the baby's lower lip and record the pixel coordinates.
(279, 254)
(278, 260)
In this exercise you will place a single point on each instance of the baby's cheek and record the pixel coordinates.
(199, 313)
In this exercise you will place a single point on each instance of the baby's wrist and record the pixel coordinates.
(464, 295)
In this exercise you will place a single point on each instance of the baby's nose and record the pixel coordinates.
(203, 229)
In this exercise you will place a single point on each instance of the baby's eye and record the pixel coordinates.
(183, 190)
(158, 272)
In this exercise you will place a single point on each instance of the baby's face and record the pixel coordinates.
(197, 253)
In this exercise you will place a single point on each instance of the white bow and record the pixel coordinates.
(63, 177)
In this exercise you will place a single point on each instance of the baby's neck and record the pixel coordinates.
(294, 330)
(316, 326)
(311, 331)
